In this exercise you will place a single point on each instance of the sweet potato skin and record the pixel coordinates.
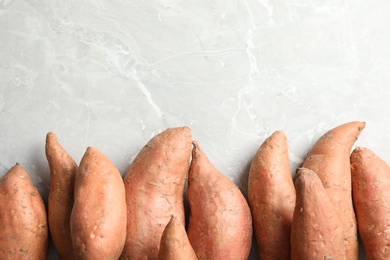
(23, 220)
(98, 218)
(220, 222)
(316, 231)
(60, 202)
(174, 242)
(371, 196)
(329, 158)
(155, 183)
(271, 197)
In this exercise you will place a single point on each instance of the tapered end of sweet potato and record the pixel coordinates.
(196, 151)
(93, 154)
(272, 156)
(17, 178)
(51, 137)
(272, 145)
(200, 164)
(366, 167)
(338, 140)
(278, 135)
(174, 242)
(360, 152)
(91, 150)
(305, 175)
(58, 158)
(95, 162)
(16, 172)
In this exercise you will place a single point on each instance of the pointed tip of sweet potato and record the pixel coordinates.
(93, 152)
(18, 170)
(197, 152)
(174, 241)
(305, 175)
(51, 137)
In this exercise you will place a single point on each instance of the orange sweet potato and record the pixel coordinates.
(316, 231)
(60, 202)
(23, 221)
(98, 218)
(174, 242)
(329, 158)
(220, 222)
(371, 196)
(271, 197)
(154, 184)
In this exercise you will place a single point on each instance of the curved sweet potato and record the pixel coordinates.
(98, 218)
(329, 158)
(220, 222)
(154, 191)
(62, 176)
(371, 196)
(316, 231)
(23, 221)
(271, 197)
(174, 242)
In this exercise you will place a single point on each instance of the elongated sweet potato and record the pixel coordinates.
(174, 242)
(316, 231)
(98, 218)
(62, 176)
(23, 221)
(329, 158)
(154, 191)
(271, 197)
(220, 222)
(371, 196)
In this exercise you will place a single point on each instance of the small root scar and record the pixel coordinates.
(371, 226)
(152, 184)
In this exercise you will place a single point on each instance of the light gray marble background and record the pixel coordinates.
(113, 73)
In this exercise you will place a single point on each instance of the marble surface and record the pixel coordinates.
(113, 73)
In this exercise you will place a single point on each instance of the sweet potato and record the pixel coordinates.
(174, 242)
(316, 231)
(329, 158)
(23, 221)
(220, 222)
(271, 197)
(371, 197)
(98, 218)
(154, 185)
(60, 202)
